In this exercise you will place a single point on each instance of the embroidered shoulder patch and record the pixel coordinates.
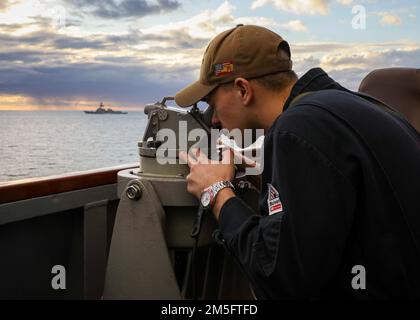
(273, 200)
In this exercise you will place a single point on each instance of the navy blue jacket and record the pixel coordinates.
(340, 192)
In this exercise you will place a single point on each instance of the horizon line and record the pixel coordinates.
(30, 108)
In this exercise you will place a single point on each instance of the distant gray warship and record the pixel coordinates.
(102, 110)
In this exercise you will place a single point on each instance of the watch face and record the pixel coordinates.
(205, 199)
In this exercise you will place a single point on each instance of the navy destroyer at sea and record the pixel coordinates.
(102, 110)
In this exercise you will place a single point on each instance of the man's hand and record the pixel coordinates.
(205, 172)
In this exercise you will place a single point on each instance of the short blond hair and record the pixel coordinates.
(274, 82)
(277, 81)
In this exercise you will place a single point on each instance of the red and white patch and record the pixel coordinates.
(273, 200)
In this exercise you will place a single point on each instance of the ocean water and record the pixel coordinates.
(43, 143)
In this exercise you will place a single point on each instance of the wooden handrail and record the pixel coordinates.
(38, 187)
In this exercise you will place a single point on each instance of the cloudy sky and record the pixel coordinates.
(71, 54)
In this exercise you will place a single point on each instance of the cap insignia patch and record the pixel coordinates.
(223, 69)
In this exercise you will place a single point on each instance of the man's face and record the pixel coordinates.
(228, 110)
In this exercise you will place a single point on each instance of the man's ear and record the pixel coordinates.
(244, 90)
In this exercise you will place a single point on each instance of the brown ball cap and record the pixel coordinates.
(244, 51)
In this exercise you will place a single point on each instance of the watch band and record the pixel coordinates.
(216, 187)
(221, 185)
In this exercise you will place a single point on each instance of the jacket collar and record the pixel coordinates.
(314, 80)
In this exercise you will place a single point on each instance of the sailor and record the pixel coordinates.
(339, 213)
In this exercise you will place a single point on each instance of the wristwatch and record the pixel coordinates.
(209, 194)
